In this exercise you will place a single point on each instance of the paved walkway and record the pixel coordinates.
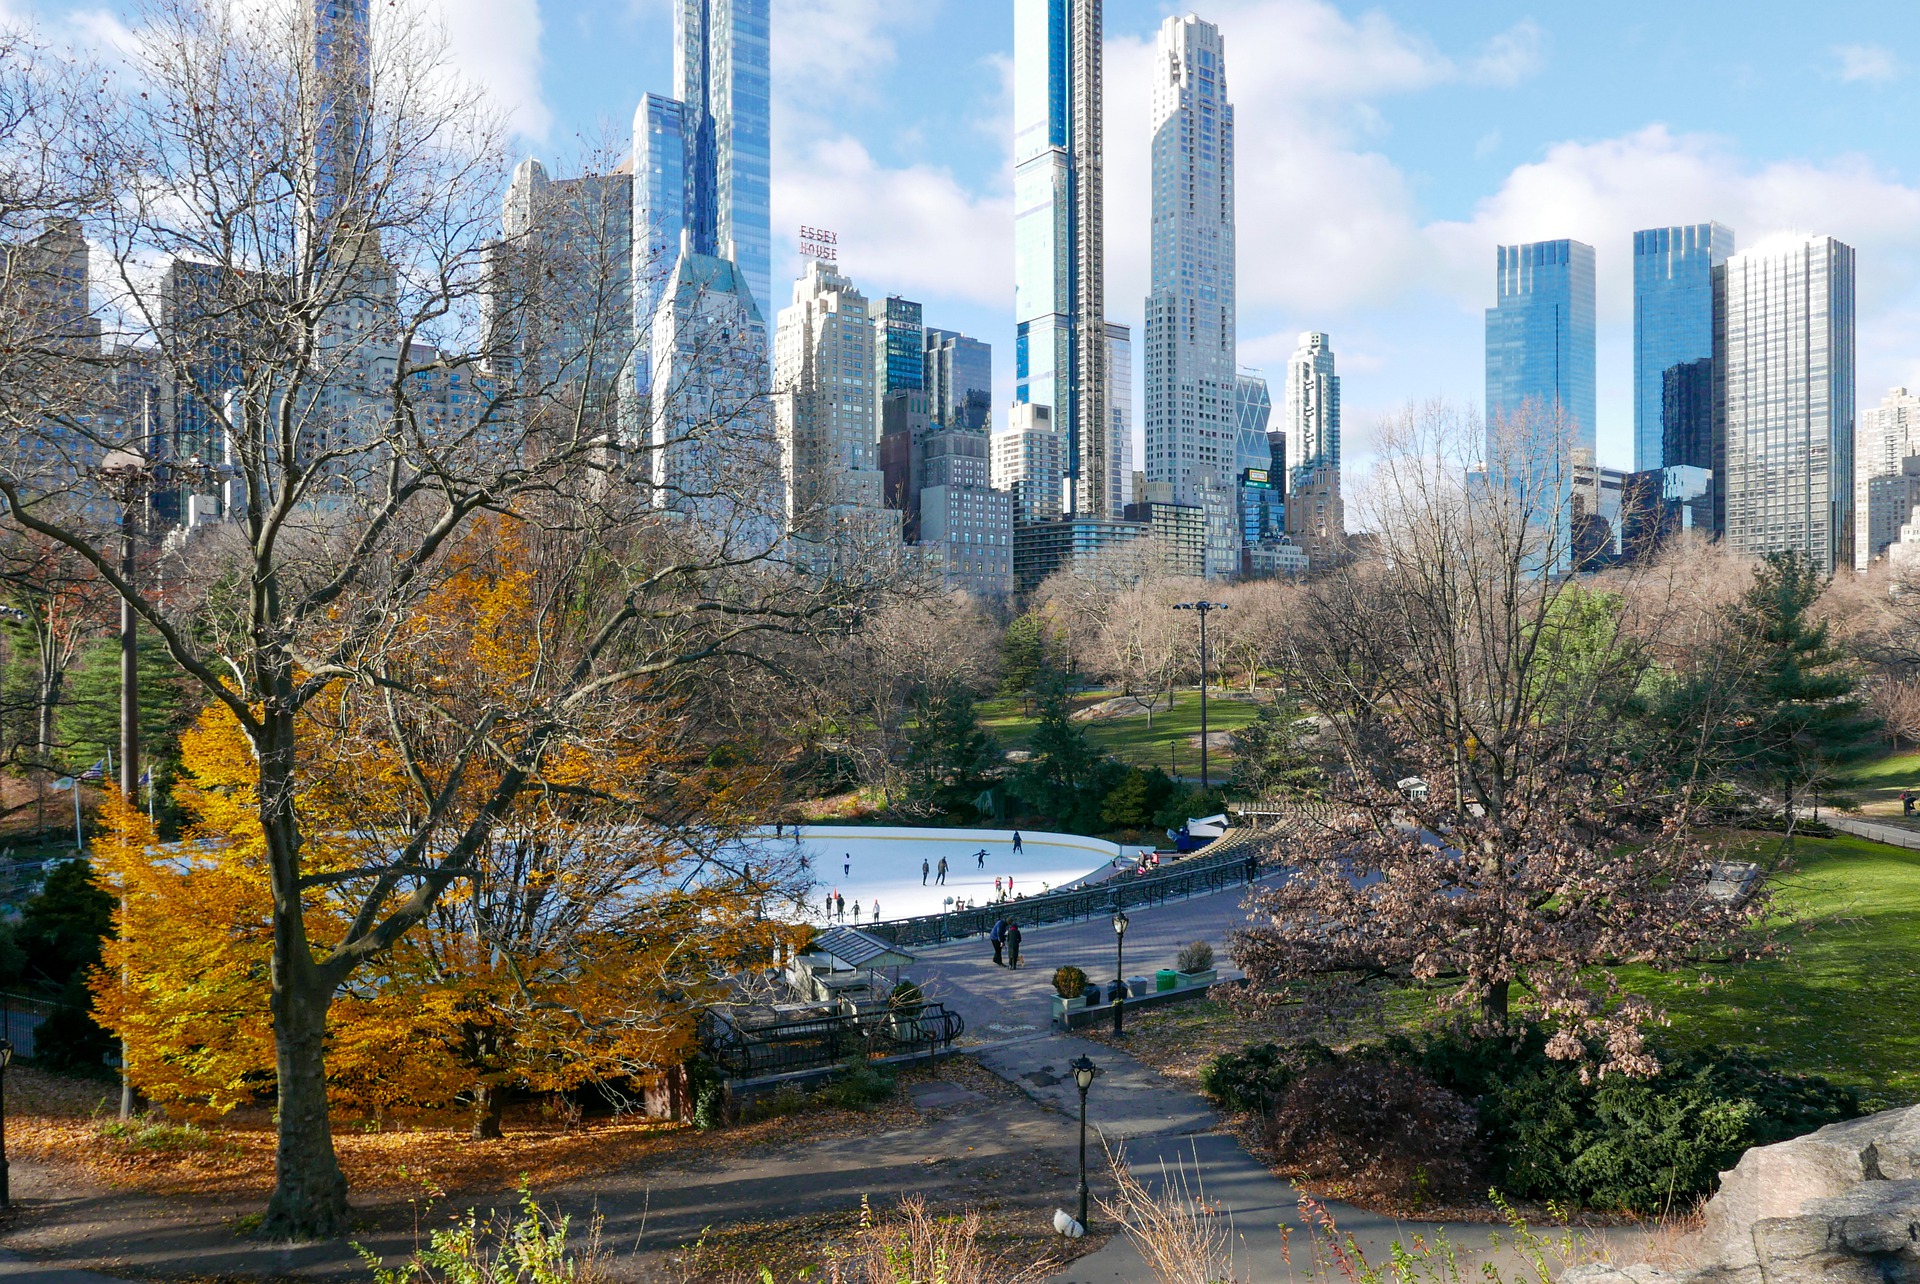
(15, 1267)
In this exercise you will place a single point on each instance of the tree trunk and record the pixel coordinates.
(1494, 1008)
(310, 1192)
(489, 1103)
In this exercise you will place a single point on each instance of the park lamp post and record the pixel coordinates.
(1083, 1072)
(1205, 608)
(1119, 964)
(6, 1059)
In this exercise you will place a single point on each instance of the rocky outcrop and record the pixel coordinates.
(1837, 1206)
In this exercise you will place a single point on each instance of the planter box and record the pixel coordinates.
(1207, 977)
(1063, 1006)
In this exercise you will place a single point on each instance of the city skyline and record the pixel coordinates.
(1407, 143)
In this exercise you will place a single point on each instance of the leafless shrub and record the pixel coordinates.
(1386, 1132)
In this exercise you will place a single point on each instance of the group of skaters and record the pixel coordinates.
(939, 872)
(837, 908)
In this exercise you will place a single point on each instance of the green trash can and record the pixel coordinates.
(1166, 979)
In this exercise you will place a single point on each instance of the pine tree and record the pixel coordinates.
(1269, 759)
(949, 754)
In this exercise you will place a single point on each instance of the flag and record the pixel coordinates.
(146, 777)
(96, 772)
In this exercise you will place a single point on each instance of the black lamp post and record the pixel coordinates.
(6, 1059)
(1204, 607)
(1083, 1072)
(1119, 964)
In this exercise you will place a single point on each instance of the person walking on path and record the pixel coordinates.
(998, 936)
(923, 870)
(940, 875)
(1016, 841)
(1906, 802)
(1013, 945)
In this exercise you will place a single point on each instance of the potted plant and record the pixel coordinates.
(1069, 991)
(1195, 964)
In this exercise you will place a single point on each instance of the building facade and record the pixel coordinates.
(1540, 363)
(1191, 431)
(1784, 367)
(1888, 434)
(959, 380)
(1257, 490)
(1315, 511)
(1060, 359)
(1672, 323)
(1029, 462)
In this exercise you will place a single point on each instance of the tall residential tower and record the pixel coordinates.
(1060, 353)
(1672, 325)
(1316, 515)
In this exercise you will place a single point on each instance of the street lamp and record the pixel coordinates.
(6, 1059)
(1205, 608)
(1083, 1072)
(1119, 964)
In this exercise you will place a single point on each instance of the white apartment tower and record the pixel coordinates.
(823, 412)
(1030, 462)
(1315, 516)
(1190, 357)
(1887, 435)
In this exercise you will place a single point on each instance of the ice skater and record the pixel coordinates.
(876, 910)
(840, 904)
(924, 867)
(940, 876)
(980, 859)
(1016, 840)
(846, 864)
(856, 910)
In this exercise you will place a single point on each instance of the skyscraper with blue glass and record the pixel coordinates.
(1060, 334)
(1540, 357)
(1672, 327)
(701, 159)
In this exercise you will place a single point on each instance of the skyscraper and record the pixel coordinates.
(823, 415)
(1258, 489)
(702, 159)
(1540, 356)
(1119, 415)
(899, 354)
(959, 381)
(1672, 321)
(342, 67)
(1316, 513)
(1784, 361)
(1060, 358)
(1191, 435)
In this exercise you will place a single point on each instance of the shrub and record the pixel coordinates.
(906, 997)
(1196, 956)
(1253, 1078)
(536, 1247)
(859, 1084)
(1388, 1131)
(1069, 982)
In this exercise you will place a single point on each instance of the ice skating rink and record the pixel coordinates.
(865, 863)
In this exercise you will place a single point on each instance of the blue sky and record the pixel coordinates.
(1384, 150)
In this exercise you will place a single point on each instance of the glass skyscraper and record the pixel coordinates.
(1316, 513)
(1784, 358)
(1191, 436)
(702, 159)
(1060, 353)
(959, 381)
(1540, 358)
(1672, 324)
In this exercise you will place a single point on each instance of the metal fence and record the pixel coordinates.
(1234, 861)
(812, 1043)
(20, 1018)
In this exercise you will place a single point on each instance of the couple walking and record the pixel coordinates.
(1005, 936)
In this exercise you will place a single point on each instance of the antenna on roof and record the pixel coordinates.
(818, 243)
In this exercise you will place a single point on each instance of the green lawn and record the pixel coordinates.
(1880, 781)
(1841, 1000)
(1130, 739)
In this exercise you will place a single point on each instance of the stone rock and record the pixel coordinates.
(1782, 1183)
(1607, 1273)
(1870, 1235)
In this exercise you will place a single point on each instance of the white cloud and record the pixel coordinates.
(834, 49)
(1869, 63)
(496, 44)
(1512, 56)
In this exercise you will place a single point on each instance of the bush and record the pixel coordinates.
(859, 1084)
(1388, 1131)
(1195, 957)
(906, 997)
(1069, 982)
(1253, 1078)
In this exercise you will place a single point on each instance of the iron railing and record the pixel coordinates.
(1233, 861)
(743, 1051)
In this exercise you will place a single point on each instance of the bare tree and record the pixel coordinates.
(329, 232)
(1499, 827)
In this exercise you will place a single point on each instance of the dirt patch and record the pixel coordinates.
(1178, 1039)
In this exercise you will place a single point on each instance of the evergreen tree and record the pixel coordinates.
(949, 754)
(1026, 656)
(89, 714)
(1797, 719)
(1269, 759)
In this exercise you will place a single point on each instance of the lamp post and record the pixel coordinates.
(6, 1059)
(1119, 964)
(1205, 608)
(1083, 1072)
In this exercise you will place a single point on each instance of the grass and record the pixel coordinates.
(1876, 785)
(1130, 738)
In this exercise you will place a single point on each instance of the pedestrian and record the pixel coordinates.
(840, 903)
(923, 870)
(941, 878)
(856, 910)
(997, 934)
(1013, 945)
(776, 828)
(846, 865)
(1016, 840)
